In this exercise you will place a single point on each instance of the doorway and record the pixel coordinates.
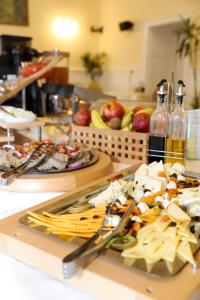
(160, 54)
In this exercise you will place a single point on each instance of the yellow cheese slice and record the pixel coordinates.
(161, 224)
(183, 225)
(170, 266)
(177, 214)
(170, 249)
(191, 238)
(184, 251)
(170, 232)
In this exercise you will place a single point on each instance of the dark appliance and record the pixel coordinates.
(13, 51)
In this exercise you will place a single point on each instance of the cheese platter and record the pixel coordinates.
(153, 251)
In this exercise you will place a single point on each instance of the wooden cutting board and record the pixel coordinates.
(62, 182)
(104, 277)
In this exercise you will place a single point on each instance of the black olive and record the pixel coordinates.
(95, 217)
(197, 219)
(134, 234)
(182, 182)
(82, 218)
(188, 185)
(173, 175)
(129, 224)
(172, 224)
(192, 229)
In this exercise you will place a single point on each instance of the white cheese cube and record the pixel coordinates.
(181, 177)
(171, 185)
(143, 207)
(154, 184)
(141, 171)
(136, 219)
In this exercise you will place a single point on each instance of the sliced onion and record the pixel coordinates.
(76, 164)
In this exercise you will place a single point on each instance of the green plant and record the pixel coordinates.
(94, 63)
(189, 46)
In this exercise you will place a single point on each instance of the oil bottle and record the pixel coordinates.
(158, 126)
(175, 145)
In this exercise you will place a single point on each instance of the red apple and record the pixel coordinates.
(137, 108)
(82, 117)
(141, 122)
(112, 109)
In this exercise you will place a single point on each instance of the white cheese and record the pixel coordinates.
(138, 193)
(122, 199)
(114, 190)
(141, 171)
(159, 199)
(148, 193)
(154, 184)
(136, 219)
(181, 177)
(194, 210)
(155, 168)
(171, 185)
(115, 220)
(143, 207)
(178, 169)
(166, 203)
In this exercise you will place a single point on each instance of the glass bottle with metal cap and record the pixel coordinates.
(175, 145)
(158, 126)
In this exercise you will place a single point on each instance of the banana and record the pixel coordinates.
(127, 118)
(127, 129)
(97, 120)
(91, 125)
(147, 110)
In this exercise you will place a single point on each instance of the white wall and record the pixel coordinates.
(123, 70)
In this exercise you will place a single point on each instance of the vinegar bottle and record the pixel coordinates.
(158, 126)
(175, 145)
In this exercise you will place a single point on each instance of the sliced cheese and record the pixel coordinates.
(176, 213)
(162, 223)
(184, 251)
(170, 232)
(170, 266)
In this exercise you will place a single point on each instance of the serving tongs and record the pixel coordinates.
(87, 252)
(9, 176)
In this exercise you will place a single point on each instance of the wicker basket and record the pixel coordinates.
(120, 145)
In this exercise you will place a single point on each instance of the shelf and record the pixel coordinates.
(32, 124)
(25, 81)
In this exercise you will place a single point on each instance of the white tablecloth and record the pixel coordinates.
(19, 281)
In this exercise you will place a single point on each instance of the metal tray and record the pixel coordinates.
(160, 269)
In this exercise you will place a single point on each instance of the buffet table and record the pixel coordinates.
(28, 283)
(22, 282)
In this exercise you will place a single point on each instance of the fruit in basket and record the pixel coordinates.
(137, 108)
(82, 117)
(112, 109)
(97, 120)
(147, 110)
(141, 122)
(115, 123)
(127, 119)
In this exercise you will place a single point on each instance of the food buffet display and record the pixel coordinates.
(48, 167)
(163, 225)
(149, 237)
(146, 223)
